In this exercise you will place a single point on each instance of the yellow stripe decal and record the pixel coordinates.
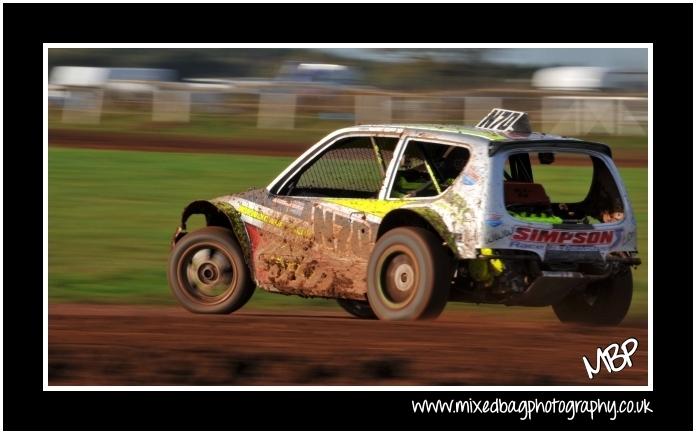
(250, 212)
(375, 207)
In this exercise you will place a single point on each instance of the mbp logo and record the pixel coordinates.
(609, 355)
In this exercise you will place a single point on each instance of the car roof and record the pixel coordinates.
(495, 141)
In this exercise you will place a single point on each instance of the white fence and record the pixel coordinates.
(557, 114)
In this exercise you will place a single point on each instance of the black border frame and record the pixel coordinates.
(27, 26)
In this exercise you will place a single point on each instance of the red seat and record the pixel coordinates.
(525, 193)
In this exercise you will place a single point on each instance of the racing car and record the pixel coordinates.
(394, 221)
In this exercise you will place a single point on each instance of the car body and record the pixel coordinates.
(315, 230)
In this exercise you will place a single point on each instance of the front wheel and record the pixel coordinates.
(409, 275)
(207, 272)
(605, 302)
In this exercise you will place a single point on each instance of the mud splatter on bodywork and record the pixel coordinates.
(237, 226)
(432, 217)
(217, 213)
(460, 220)
(303, 247)
(321, 248)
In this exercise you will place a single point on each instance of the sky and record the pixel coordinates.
(633, 58)
(610, 57)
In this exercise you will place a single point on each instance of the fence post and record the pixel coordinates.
(373, 109)
(277, 111)
(83, 106)
(171, 106)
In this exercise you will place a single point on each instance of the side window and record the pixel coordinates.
(353, 167)
(427, 169)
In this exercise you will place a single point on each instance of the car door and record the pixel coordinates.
(323, 247)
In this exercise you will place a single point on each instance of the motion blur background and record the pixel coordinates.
(236, 117)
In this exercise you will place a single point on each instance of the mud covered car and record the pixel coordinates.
(394, 221)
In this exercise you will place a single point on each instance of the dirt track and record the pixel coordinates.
(157, 142)
(136, 345)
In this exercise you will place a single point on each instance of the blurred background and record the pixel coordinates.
(236, 117)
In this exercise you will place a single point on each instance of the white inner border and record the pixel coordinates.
(648, 387)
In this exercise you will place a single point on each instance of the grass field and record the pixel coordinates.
(112, 213)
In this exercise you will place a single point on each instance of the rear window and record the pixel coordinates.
(561, 188)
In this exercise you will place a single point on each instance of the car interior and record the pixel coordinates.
(528, 200)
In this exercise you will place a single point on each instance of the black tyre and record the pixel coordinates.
(357, 308)
(605, 302)
(409, 275)
(207, 272)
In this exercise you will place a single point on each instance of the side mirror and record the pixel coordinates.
(546, 157)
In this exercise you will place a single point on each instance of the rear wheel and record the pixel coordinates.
(605, 302)
(409, 275)
(357, 308)
(207, 272)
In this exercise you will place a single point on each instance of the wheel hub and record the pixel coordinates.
(403, 277)
(209, 272)
(399, 277)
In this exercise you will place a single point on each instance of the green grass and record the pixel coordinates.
(241, 127)
(112, 213)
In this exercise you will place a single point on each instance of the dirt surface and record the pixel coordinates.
(138, 345)
(172, 143)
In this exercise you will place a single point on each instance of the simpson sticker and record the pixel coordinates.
(558, 237)
(505, 120)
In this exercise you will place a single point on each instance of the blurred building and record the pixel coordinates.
(137, 80)
(320, 73)
(69, 82)
(590, 78)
